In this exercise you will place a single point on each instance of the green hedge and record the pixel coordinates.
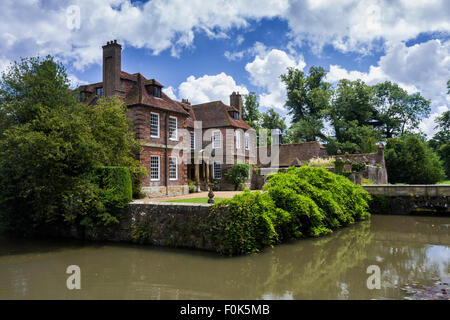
(299, 203)
(115, 183)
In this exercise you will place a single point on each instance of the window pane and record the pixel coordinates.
(173, 132)
(238, 140)
(247, 142)
(154, 125)
(192, 141)
(216, 139)
(154, 168)
(173, 168)
(217, 171)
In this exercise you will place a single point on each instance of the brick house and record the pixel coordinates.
(180, 141)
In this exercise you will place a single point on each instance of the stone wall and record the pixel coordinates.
(156, 223)
(409, 199)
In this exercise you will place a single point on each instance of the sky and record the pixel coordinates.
(204, 50)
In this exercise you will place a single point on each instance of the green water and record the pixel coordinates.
(333, 267)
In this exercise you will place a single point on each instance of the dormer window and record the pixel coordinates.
(236, 116)
(99, 92)
(157, 91)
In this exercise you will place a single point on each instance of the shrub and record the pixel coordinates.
(245, 223)
(237, 174)
(301, 202)
(192, 186)
(115, 183)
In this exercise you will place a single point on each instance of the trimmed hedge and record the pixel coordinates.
(115, 183)
(301, 202)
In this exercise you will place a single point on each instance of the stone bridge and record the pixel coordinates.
(405, 199)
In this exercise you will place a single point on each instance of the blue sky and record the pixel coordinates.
(204, 50)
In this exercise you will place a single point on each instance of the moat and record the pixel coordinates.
(407, 249)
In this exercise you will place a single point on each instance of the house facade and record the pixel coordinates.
(180, 141)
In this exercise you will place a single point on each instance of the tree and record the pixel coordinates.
(50, 145)
(410, 160)
(250, 110)
(398, 112)
(441, 140)
(306, 129)
(271, 120)
(238, 174)
(355, 139)
(307, 95)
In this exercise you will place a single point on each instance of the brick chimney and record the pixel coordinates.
(236, 101)
(112, 52)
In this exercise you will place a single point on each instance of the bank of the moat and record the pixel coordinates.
(407, 249)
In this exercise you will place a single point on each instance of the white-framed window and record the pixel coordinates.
(247, 142)
(173, 168)
(192, 140)
(154, 168)
(173, 128)
(238, 139)
(154, 125)
(216, 140)
(217, 170)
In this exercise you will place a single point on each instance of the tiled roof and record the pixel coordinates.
(215, 114)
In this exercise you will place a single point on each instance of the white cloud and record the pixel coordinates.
(170, 91)
(355, 25)
(74, 81)
(209, 88)
(31, 27)
(232, 56)
(265, 71)
(428, 125)
(423, 68)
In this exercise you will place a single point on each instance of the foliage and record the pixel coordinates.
(115, 183)
(50, 146)
(192, 186)
(301, 202)
(410, 160)
(441, 140)
(398, 112)
(271, 120)
(237, 174)
(250, 110)
(244, 224)
(358, 166)
(321, 162)
(306, 129)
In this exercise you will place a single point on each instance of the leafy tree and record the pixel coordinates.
(307, 95)
(397, 111)
(441, 140)
(272, 120)
(306, 129)
(238, 174)
(410, 160)
(250, 110)
(355, 139)
(50, 145)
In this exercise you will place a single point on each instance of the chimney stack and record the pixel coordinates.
(236, 101)
(112, 52)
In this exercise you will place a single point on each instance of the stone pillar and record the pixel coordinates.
(197, 176)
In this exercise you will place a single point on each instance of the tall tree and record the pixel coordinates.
(307, 96)
(410, 160)
(271, 120)
(398, 112)
(441, 140)
(50, 144)
(250, 110)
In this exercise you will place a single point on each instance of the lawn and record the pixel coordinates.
(196, 200)
(444, 182)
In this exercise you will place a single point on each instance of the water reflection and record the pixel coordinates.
(332, 267)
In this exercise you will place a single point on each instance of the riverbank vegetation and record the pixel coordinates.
(303, 202)
(52, 149)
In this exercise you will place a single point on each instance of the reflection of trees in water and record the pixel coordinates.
(329, 267)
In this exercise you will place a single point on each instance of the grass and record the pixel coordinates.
(196, 200)
(444, 182)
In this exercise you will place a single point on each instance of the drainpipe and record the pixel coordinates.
(166, 158)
